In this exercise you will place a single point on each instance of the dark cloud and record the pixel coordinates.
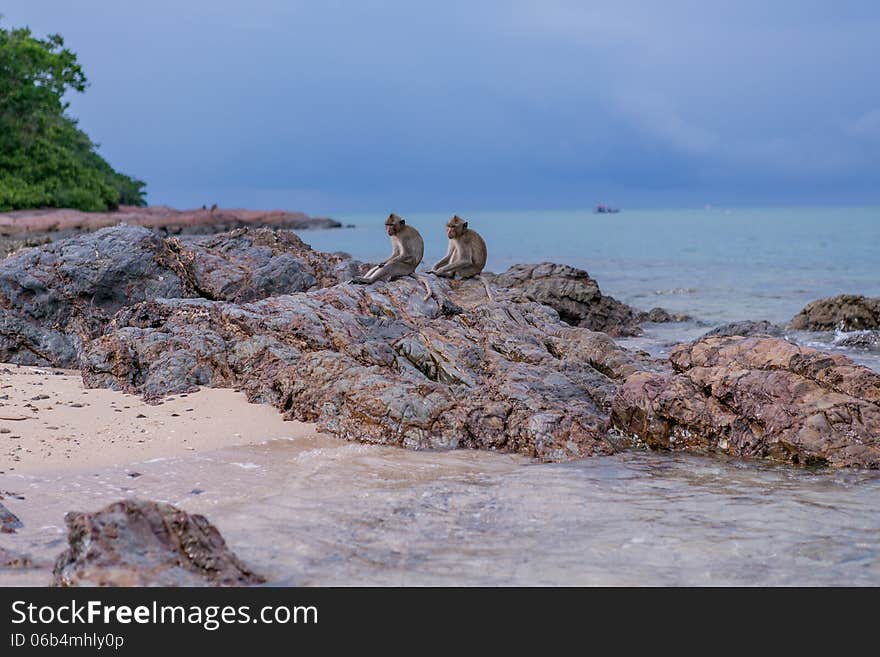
(335, 106)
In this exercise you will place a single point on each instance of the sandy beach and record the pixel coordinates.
(50, 422)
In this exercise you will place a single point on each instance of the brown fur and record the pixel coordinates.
(466, 255)
(407, 249)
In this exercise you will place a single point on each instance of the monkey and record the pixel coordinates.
(466, 255)
(407, 249)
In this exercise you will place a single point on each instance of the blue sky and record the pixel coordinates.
(334, 106)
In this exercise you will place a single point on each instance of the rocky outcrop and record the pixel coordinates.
(757, 397)
(141, 543)
(384, 364)
(26, 228)
(8, 521)
(747, 329)
(845, 312)
(55, 298)
(456, 365)
(662, 316)
(31, 227)
(574, 295)
(869, 340)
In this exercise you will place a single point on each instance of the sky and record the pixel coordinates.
(333, 106)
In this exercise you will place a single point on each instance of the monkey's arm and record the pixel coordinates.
(387, 272)
(444, 260)
(450, 270)
(395, 253)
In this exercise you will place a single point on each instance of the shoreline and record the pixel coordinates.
(66, 427)
(25, 228)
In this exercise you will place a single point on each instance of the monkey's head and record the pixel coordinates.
(455, 227)
(393, 224)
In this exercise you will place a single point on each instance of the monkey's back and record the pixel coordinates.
(414, 244)
(479, 253)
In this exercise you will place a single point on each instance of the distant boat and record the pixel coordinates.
(601, 208)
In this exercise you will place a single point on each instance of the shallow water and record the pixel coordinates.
(324, 512)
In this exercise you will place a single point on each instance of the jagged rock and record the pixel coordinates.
(845, 312)
(247, 264)
(54, 298)
(747, 329)
(9, 522)
(382, 364)
(142, 543)
(574, 295)
(859, 339)
(757, 397)
(662, 316)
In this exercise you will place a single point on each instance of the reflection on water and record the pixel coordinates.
(324, 512)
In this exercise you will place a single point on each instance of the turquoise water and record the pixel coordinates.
(716, 265)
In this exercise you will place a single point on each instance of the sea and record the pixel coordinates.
(715, 265)
(320, 511)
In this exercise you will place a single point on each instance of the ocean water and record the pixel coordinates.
(319, 511)
(716, 265)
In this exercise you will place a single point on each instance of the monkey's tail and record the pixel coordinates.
(488, 291)
(428, 291)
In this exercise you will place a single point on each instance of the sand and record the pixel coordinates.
(50, 422)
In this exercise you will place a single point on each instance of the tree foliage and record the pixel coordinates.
(45, 159)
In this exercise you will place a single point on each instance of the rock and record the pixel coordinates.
(10, 560)
(747, 329)
(574, 295)
(661, 316)
(36, 227)
(757, 397)
(8, 521)
(859, 339)
(845, 312)
(382, 364)
(54, 298)
(142, 543)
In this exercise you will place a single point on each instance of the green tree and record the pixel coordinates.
(45, 159)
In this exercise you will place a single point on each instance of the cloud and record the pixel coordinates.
(487, 103)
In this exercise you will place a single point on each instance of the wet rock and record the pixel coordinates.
(9, 522)
(662, 316)
(757, 397)
(55, 298)
(384, 364)
(142, 543)
(747, 329)
(859, 339)
(845, 312)
(574, 295)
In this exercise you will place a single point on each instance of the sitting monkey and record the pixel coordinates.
(406, 253)
(466, 256)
